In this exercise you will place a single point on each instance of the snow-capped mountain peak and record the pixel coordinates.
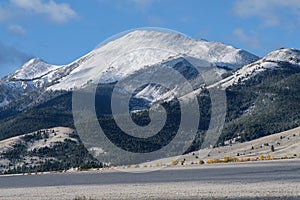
(284, 54)
(133, 51)
(270, 61)
(117, 59)
(33, 69)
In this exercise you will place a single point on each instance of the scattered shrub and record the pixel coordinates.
(261, 157)
(175, 162)
(247, 159)
(226, 159)
(272, 148)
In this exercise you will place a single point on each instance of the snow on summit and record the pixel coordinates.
(138, 49)
(270, 61)
(117, 59)
(284, 54)
(34, 68)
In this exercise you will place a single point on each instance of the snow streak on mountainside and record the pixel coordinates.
(270, 61)
(116, 60)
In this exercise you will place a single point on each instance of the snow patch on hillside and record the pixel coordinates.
(32, 142)
(288, 55)
(57, 134)
(270, 61)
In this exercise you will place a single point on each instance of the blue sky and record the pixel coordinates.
(60, 31)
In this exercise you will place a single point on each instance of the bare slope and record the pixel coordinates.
(286, 145)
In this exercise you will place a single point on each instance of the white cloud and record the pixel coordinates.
(57, 12)
(249, 40)
(269, 11)
(16, 30)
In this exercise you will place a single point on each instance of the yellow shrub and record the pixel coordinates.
(175, 162)
(235, 159)
(247, 159)
(209, 161)
(261, 157)
(226, 159)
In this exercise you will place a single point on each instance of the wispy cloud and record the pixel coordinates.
(4, 13)
(142, 4)
(133, 5)
(247, 39)
(184, 19)
(155, 21)
(16, 30)
(12, 55)
(269, 11)
(56, 12)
